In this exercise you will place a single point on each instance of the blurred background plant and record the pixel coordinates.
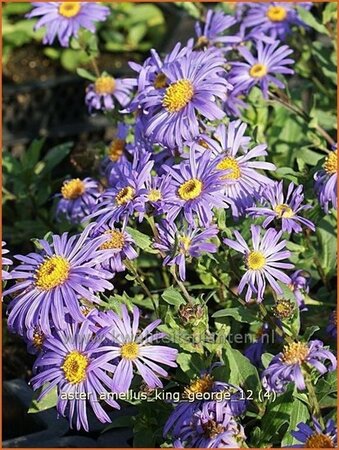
(131, 28)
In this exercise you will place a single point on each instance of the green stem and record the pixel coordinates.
(236, 296)
(139, 279)
(150, 220)
(181, 285)
(95, 67)
(313, 401)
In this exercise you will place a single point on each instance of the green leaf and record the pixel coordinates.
(277, 414)
(191, 8)
(242, 372)
(55, 156)
(307, 17)
(142, 240)
(330, 12)
(31, 157)
(326, 390)
(326, 234)
(191, 364)
(266, 358)
(16, 9)
(47, 402)
(83, 73)
(309, 332)
(137, 33)
(173, 297)
(72, 59)
(240, 314)
(299, 413)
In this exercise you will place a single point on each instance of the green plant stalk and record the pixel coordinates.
(181, 285)
(313, 401)
(139, 279)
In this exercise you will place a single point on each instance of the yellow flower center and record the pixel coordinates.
(124, 195)
(69, 9)
(154, 195)
(38, 338)
(52, 272)
(295, 353)
(129, 351)
(160, 81)
(319, 441)
(232, 165)
(212, 429)
(116, 149)
(256, 260)
(330, 164)
(202, 42)
(284, 211)
(73, 189)
(104, 85)
(283, 308)
(258, 71)
(190, 189)
(201, 385)
(86, 310)
(276, 13)
(116, 240)
(178, 95)
(74, 367)
(185, 242)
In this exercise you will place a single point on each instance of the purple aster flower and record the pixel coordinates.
(134, 349)
(185, 243)
(116, 150)
(287, 366)
(159, 190)
(64, 19)
(210, 427)
(53, 280)
(194, 82)
(76, 362)
(226, 398)
(119, 244)
(262, 69)
(263, 261)
(134, 156)
(316, 436)
(150, 74)
(129, 194)
(326, 182)
(273, 18)
(331, 328)
(5, 262)
(215, 31)
(77, 199)
(241, 181)
(197, 189)
(233, 103)
(101, 94)
(300, 284)
(282, 207)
